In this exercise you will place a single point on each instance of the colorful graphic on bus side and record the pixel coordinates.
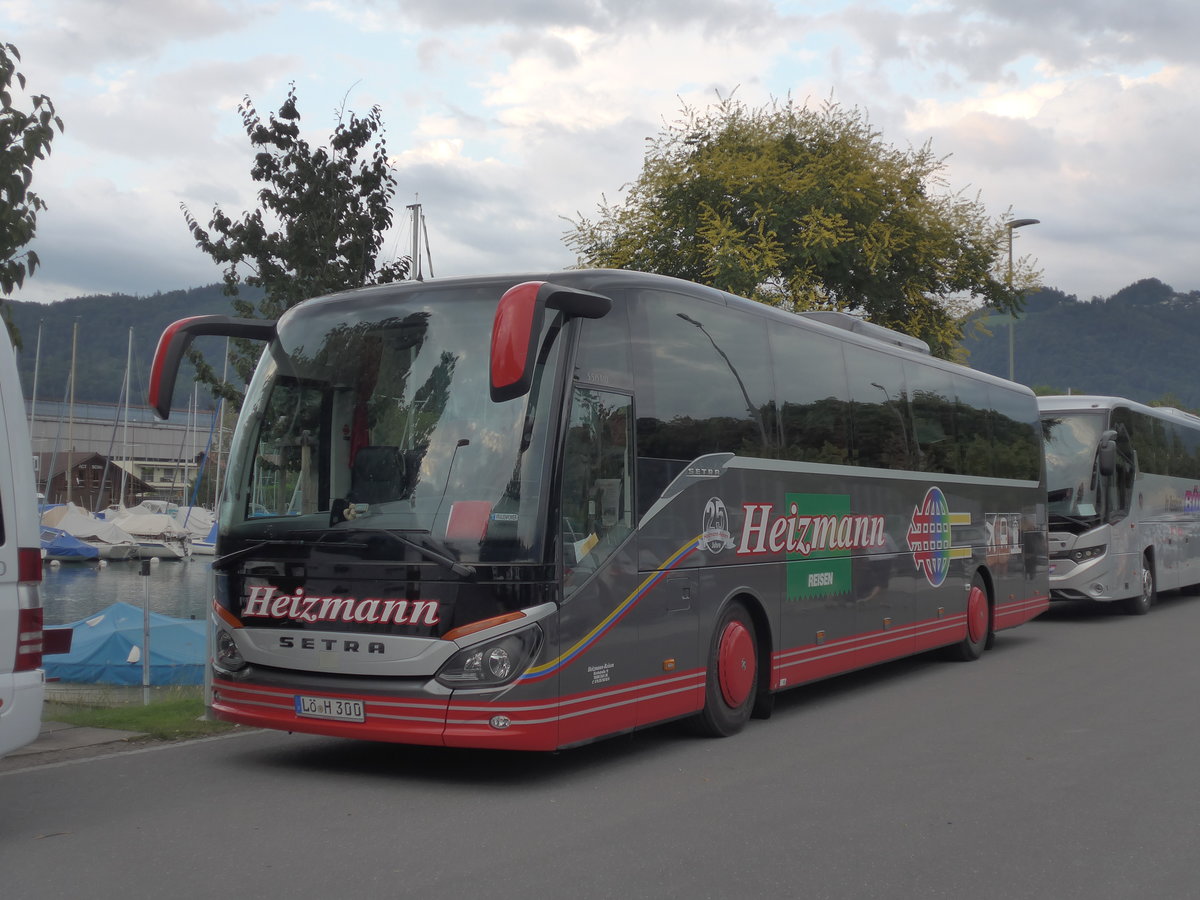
(930, 536)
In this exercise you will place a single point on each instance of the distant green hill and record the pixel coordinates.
(1139, 343)
(102, 340)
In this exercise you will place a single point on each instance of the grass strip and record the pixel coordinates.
(171, 719)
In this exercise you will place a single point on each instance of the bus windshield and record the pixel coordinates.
(1071, 478)
(373, 415)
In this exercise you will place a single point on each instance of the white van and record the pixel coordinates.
(22, 681)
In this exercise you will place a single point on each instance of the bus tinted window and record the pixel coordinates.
(931, 394)
(973, 420)
(810, 375)
(1184, 451)
(603, 356)
(597, 509)
(882, 432)
(1016, 438)
(707, 387)
(1149, 437)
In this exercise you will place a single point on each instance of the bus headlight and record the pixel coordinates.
(491, 663)
(1087, 553)
(228, 656)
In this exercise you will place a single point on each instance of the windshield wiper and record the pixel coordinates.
(223, 562)
(1083, 523)
(460, 569)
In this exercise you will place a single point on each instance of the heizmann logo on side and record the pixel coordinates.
(816, 533)
(930, 536)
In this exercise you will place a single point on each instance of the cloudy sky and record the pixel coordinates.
(507, 117)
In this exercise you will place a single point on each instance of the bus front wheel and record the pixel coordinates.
(1139, 604)
(731, 685)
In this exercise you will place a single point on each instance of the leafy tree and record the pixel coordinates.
(319, 226)
(803, 209)
(24, 138)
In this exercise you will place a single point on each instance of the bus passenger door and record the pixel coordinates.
(599, 634)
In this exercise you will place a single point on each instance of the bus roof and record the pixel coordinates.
(1086, 402)
(839, 326)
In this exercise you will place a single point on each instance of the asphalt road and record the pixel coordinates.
(1061, 765)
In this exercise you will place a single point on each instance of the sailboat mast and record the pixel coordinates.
(125, 431)
(69, 475)
(415, 209)
(37, 364)
(220, 430)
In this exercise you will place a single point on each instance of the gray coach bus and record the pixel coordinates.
(1123, 483)
(531, 512)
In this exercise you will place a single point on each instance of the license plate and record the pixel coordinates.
(330, 708)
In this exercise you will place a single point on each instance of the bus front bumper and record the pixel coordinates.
(427, 715)
(1103, 580)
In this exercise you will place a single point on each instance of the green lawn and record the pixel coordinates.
(174, 716)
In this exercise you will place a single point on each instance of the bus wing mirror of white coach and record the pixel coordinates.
(1106, 453)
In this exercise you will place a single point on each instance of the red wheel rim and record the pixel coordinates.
(735, 663)
(977, 614)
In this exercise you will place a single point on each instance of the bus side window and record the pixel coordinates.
(882, 430)
(973, 425)
(597, 501)
(1122, 478)
(1016, 439)
(810, 377)
(931, 397)
(603, 357)
(704, 385)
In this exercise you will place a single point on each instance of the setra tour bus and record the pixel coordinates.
(532, 512)
(1123, 485)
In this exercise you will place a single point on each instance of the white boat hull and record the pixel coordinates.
(162, 550)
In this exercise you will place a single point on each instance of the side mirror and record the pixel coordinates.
(518, 324)
(178, 337)
(1106, 454)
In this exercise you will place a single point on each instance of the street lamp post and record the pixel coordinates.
(1015, 223)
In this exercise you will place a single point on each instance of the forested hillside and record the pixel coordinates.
(103, 337)
(1139, 343)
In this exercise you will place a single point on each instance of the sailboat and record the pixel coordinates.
(152, 524)
(59, 546)
(108, 540)
(207, 545)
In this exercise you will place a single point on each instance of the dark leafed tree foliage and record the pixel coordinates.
(24, 138)
(807, 208)
(319, 226)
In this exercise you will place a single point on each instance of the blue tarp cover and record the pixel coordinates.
(57, 544)
(106, 649)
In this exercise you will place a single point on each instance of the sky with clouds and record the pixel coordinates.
(507, 119)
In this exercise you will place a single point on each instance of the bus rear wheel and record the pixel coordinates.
(731, 685)
(1140, 604)
(979, 623)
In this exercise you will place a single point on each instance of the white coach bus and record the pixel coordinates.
(1123, 483)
